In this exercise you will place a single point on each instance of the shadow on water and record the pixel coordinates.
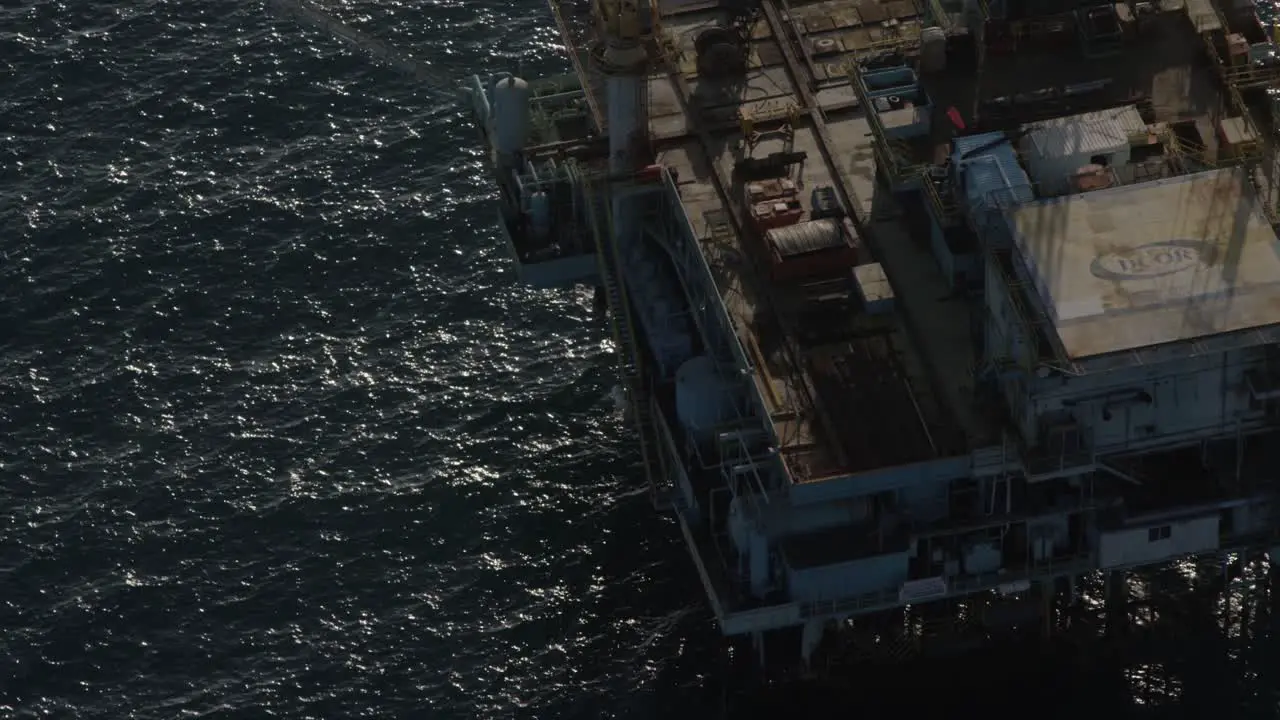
(1188, 666)
(1195, 653)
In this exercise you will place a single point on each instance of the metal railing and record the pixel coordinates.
(571, 47)
(679, 239)
(1015, 290)
(609, 261)
(889, 158)
(939, 15)
(1000, 517)
(1061, 449)
(672, 464)
(1234, 79)
(1191, 156)
(993, 460)
(1250, 76)
(956, 586)
(944, 210)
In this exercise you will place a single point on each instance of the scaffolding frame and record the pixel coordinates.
(1262, 161)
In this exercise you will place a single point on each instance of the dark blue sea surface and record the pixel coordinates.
(280, 436)
(279, 433)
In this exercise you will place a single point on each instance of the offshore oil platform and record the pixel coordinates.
(936, 317)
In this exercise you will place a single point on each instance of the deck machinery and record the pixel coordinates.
(929, 311)
(935, 316)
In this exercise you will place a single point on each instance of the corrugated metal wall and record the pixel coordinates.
(992, 179)
(1055, 149)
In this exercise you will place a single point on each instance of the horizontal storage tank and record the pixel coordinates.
(657, 305)
(704, 400)
(810, 250)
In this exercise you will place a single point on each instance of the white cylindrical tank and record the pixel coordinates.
(703, 399)
(511, 114)
(540, 214)
(933, 50)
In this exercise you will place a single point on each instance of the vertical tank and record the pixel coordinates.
(511, 114)
(540, 214)
(933, 50)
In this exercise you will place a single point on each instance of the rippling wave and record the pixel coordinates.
(278, 430)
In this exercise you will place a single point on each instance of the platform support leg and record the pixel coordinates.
(1249, 599)
(1273, 580)
(1117, 603)
(1048, 589)
(757, 641)
(810, 639)
(1070, 596)
(1228, 568)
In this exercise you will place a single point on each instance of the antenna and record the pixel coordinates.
(307, 13)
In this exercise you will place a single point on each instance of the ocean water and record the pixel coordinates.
(279, 434)
(280, 437)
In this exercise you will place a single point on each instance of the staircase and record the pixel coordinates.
(573, 35)
(630, 365)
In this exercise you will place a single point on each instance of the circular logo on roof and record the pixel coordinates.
(1148, 261)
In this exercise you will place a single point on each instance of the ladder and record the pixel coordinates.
(630, 365)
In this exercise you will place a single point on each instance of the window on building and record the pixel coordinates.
(1155, 534)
